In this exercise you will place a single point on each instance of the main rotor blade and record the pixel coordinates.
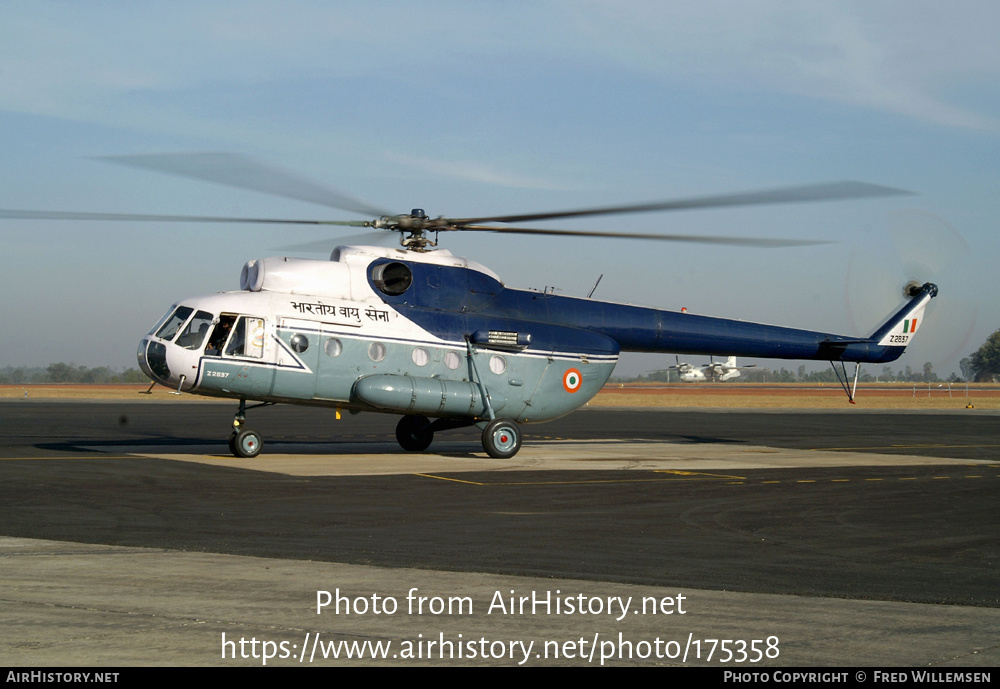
(814, 192)
(327, 245)
(138, 217)
(239, 171)
(690, 238)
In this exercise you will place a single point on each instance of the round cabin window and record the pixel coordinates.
(420, 356)
(299, 342)
(376, 351)
(333, 346)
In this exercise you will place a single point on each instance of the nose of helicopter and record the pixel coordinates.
(152, 358)
(166, 364)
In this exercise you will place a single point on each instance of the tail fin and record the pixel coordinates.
(899, 329)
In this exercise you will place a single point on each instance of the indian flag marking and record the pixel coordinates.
(910, 326)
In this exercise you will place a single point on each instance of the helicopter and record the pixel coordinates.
(439, 339)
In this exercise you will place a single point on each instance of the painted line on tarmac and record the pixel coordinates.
(684, 476)
(19, 459)
(872, 448)
(695, 476)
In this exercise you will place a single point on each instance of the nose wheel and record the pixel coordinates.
(243, 442)
(501, 438)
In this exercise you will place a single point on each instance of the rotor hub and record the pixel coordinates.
(411, 227)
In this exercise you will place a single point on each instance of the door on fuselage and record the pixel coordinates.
(238, 346)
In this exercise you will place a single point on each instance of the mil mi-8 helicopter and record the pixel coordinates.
(436, 338)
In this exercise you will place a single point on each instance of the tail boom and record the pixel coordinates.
(648, 330)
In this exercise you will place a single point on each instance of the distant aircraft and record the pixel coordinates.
(712, 371)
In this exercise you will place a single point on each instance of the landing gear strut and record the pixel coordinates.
(243, 442)
(501, 437)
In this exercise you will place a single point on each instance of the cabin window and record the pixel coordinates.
(333, 346)
(452, 360)
(420, 356)
(392, 278)
(376, 351)
(498, 364)
(299, 342)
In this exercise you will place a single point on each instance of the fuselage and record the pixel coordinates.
(378, 329)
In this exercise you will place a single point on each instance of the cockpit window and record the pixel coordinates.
(237, 336)
(220, 334)
(174, 323)
(163, 319)
(235, 346)
(195, 332)
(248, 338)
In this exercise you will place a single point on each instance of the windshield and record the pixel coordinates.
(174, 323)
(162, 320)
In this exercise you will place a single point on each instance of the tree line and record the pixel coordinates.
(69, 373)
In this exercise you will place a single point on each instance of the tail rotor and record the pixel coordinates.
(913, 247)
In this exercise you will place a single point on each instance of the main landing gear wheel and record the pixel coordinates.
(501, 438)
(413, 433)
(245, 444)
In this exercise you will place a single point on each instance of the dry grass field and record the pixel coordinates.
(91, 392)
(792, 395)
(680, 395)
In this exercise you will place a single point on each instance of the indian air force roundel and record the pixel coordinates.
(572, 380)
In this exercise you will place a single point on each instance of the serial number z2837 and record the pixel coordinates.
(899, 339)
(217, 374)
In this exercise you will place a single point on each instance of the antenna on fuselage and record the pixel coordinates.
(594, 288)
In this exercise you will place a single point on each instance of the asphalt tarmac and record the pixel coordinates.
(130, 536)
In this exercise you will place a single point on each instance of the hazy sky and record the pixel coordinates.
(473, 108)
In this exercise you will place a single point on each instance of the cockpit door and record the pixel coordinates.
(243, 341)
